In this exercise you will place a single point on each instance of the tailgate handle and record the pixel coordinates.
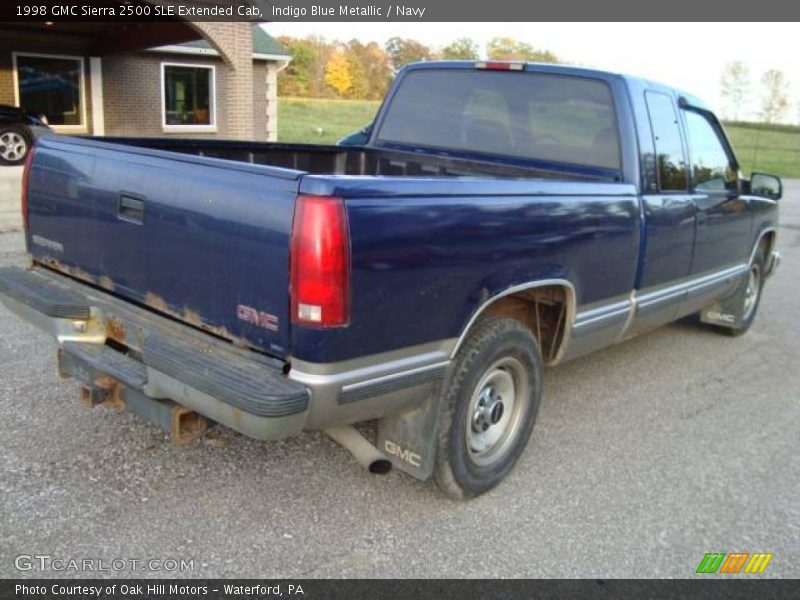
(131, 208)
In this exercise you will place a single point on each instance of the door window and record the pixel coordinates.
(711, 166)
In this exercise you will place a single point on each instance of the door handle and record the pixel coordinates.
(702, 219)
(131, 208)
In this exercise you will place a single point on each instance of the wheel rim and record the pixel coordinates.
(752, 291)
(12, 146)
(496, 411)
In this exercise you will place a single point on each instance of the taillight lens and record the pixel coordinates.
(320, 262)
(26, 173)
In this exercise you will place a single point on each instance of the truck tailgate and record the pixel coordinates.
(203, 240)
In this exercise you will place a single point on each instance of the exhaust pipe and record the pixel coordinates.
(366, 454)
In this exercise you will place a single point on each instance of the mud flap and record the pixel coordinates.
(409, 439)
(727, 312)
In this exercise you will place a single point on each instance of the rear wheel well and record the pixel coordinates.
(546, 311)
(767, 242)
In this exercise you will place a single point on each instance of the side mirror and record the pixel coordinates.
(768, 186)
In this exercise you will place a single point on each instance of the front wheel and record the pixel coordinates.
(15, 143)
(490, 403)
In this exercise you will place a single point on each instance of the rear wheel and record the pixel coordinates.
(15, 144)
(490, 405)
(751, 297)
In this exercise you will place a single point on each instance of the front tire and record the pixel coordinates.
(15, 143)
(490, 402)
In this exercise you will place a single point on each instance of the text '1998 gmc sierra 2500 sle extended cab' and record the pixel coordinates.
(496, 218)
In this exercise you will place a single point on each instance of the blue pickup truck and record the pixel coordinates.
(495, 219)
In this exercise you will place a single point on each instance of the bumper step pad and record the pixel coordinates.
(246, 384)
(42, 295)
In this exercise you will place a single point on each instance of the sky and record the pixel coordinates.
(689, 56)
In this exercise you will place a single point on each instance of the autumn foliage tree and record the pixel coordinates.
(503, 48)
(337, 73)
(370, 69)
(734, 84)
(461, 49)
(775, 102)
(403, 51)
(355, 70)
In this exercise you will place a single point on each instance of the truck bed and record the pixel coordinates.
(342, 160)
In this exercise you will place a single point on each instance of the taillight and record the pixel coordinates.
(320, 262)
(26, 173)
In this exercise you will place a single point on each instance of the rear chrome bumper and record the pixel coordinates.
(242, 389)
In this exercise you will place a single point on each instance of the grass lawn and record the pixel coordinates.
(767, 149)
(759, 147)
(322, 121)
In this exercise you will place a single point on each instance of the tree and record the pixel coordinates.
(308, 73)
(370, 69)
(734, 84)
(403, 51)
(461, 49)
(337, 73)
(503, 48)
(323, 51)
(305, 74)
(294, 79)
(775, 101)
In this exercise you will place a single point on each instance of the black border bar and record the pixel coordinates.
(733, 588)
(407, 11)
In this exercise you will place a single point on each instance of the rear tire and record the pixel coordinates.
(751, 298)
(489, 406)
(15, 143)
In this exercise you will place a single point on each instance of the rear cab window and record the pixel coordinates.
(538, 117)
(670, 155)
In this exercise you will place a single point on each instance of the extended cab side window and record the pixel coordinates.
(711, 165)
(667, 139)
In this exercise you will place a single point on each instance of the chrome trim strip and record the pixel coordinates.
(651, 299)
(372, 368)
(602, 313)
(568, 325)
(642, 303)
(392, 383)
(394, 376)
(667, 293)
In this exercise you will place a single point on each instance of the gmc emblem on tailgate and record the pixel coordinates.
(258, 318)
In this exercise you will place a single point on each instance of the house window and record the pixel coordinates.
(53, 86)
(188, 97)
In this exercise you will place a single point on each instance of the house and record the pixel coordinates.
(177, 78)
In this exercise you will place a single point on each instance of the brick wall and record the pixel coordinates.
(132, 94)
(246, 99)
(272, 101)
(260, 101)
